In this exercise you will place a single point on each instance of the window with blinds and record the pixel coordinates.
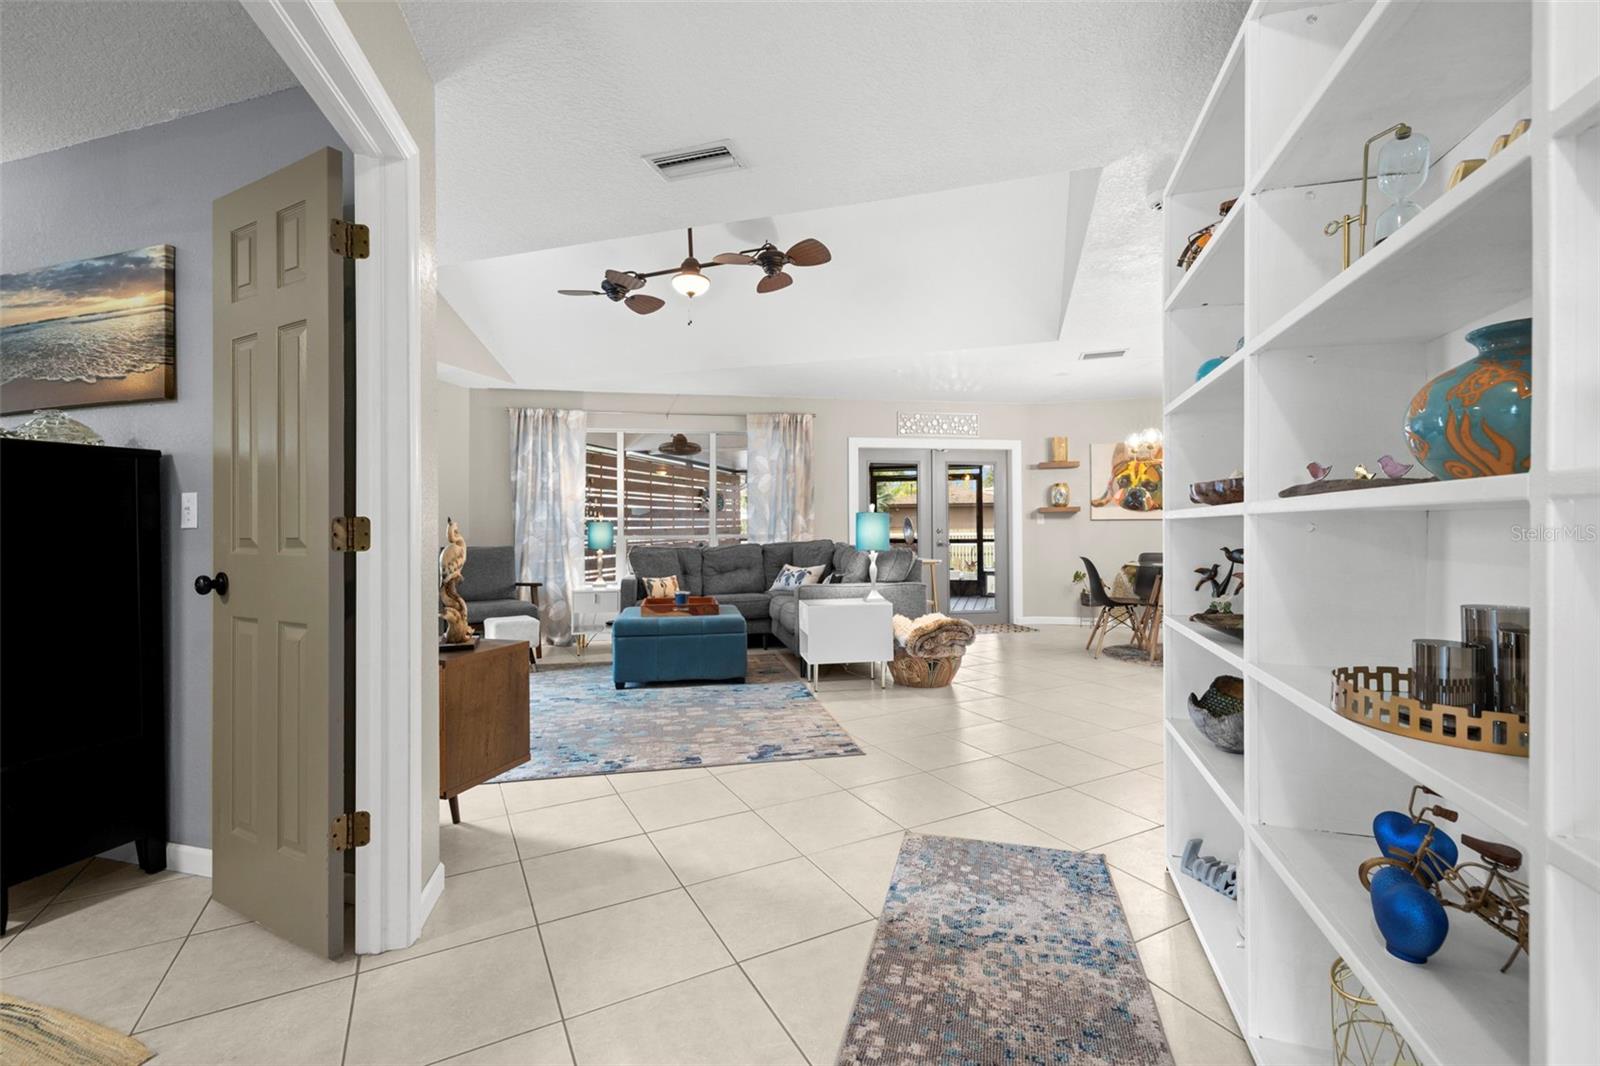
(664, 499)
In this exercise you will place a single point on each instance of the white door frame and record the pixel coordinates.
(392, 898)
(1013, 450)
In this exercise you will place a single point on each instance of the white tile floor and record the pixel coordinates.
(690, 916)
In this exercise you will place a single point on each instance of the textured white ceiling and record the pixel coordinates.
(75, 70)
(928, 144)
(545, 109)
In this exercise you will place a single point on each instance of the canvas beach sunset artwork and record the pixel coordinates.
(92, 331)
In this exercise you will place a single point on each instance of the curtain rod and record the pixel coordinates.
(664, 414)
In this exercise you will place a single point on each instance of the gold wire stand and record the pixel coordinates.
(1362, 1035)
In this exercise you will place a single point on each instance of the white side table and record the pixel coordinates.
(592, 607)
(846, 631)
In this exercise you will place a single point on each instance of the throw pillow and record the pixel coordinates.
(659, 588)
(791, 577)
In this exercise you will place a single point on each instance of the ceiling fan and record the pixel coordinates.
(618, 287)
(689, 277)
(679, 445)
(807, 253)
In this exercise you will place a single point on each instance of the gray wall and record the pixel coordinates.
(1050, 545)
(155, 186)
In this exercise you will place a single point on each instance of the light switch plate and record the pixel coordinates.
(189, 511)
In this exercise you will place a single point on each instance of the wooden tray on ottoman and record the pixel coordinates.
(664, 605)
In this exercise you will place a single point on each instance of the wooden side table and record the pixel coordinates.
(483, 715)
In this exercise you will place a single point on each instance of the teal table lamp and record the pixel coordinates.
(872, 537)
(602, 535)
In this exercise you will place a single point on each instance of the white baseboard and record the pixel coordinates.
(182, 858)
(432, 891)
(1053, 620)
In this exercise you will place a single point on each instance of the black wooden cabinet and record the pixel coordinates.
(83, 693)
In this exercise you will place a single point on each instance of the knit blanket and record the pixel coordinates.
(933, 636)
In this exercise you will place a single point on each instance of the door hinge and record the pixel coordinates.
(352, 534)
(349, 239)
(351, 831)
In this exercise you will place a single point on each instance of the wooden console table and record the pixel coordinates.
(483, 715)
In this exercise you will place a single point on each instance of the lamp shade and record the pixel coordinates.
(872, 531)
(601, 534)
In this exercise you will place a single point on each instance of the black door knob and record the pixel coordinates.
(204, 584)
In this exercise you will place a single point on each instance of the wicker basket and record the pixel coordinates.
(914, 671)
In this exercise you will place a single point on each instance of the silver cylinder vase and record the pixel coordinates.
(1483, 624)
(1451, 672)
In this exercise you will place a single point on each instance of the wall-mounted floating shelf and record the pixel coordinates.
(1067, 464)
(1057, 510)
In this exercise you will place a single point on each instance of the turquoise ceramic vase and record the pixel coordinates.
(1476, 420)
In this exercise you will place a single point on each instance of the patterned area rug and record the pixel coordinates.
(1128, 653)
(989, 629)
(44, 1036)
(991, 953)
(582, 725)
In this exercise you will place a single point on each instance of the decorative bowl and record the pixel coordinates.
(1224, 490)
(1219, 713)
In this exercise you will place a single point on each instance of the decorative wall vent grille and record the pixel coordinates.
(1109, 353)
(937, 424)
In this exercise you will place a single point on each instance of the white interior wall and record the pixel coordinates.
(479, 487)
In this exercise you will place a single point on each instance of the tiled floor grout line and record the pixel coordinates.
(513, 1036)
(736, 962)
(244, 1003)
(90, 958)
(533, 906)
(350, 1014)
(170, 964)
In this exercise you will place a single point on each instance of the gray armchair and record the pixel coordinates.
(489, 585)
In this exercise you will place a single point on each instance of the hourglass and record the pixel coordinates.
(1402, 168)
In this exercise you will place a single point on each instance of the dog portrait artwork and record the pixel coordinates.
(1131, 479)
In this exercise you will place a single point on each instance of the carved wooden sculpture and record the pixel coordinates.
(454, 609)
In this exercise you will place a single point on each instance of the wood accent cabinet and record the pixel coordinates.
(483, 715)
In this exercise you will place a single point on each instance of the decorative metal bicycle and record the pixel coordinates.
(1485, 889)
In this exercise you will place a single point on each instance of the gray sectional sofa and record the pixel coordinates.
(741, 576)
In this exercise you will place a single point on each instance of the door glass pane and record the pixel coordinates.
(600, 501)
(894, 489)
(970, 492)
(732, 504)
(667, 488)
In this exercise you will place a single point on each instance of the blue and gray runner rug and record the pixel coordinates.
(1002, 953)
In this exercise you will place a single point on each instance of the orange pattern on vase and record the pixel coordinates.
(1485, 376)
(1477, 460)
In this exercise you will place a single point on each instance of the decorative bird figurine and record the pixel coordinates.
(1235, 557)
(1209, 574)
(1363, 474)
(1317, 470)
(1393, 469)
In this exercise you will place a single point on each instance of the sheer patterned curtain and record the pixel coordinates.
(779, 481)
(547, 473)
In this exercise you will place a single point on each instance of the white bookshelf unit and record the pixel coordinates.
(1329, 362)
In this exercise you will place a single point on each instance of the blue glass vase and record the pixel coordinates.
(1411, 919)
(1476, 420)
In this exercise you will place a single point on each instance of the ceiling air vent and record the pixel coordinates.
(693, 162)
(1109, 353)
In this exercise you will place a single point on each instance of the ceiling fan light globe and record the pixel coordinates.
(691, 283)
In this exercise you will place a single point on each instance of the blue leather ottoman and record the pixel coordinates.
(705, 647)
